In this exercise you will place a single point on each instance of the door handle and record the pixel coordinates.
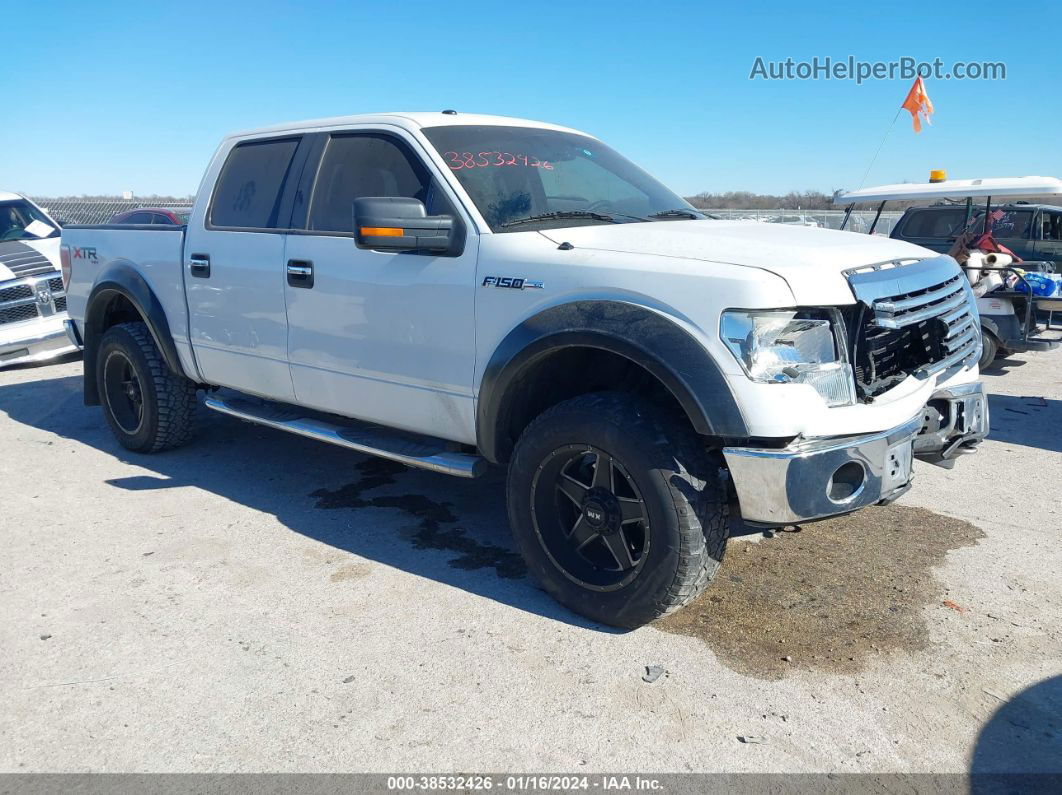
(300, 273)
(199, 265)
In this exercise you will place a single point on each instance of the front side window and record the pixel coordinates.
(251, 184)
(20, 220)
(526, 178)
(365, 165)
(1052, 226)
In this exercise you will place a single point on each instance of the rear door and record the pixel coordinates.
(382, 336)
(1013, 228)
(234, 269)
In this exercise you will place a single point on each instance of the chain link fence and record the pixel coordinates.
(99, 211)
(826, 219)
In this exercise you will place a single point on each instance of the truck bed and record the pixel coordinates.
(153, 251)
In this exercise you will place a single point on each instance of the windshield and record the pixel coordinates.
(20, 220)
(526, 178)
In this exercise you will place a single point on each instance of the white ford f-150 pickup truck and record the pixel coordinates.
(454, 291)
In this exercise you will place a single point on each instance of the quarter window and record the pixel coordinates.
(251, 184)
(934, 223)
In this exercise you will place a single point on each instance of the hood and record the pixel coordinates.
(810, 260)
(24, 257)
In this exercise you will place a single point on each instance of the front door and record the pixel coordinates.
(1049, 247)
(234, 271)
(384, 337)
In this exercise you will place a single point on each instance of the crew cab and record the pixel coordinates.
(32, 297)
(457, 291)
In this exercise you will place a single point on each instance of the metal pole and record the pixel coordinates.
(877, 215)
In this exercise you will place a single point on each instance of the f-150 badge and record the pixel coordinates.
(512, 282)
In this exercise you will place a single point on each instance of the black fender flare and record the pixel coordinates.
(123, 279)
(643, 336)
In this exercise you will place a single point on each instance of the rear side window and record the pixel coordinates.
(1011, 223)
(362, 165)
(251, 183)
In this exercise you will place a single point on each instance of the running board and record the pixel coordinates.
(415, 451)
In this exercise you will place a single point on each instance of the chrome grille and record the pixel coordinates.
(918, 318)
(19, 298)
(16, 314)
(15, 293)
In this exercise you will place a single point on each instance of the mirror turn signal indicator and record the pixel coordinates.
(382, 231)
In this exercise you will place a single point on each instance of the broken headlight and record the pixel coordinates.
(792, 346)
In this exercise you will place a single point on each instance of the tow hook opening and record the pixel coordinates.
(847, 481)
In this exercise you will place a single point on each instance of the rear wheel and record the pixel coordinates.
(619, 514)
(148, 407)
(989, 349)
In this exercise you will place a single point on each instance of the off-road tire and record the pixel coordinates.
(168, 400)
(681, 485)
(989, 349)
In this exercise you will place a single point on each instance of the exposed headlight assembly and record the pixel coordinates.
(792, 346)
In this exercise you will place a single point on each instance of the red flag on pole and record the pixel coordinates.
(918, 104)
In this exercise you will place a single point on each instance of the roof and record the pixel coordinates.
(414, 120)
(6, 196)
(995, 206)
(955, 189)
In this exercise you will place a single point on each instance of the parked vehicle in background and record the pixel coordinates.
(452, 291)
(152, 215)
(1032, 231)
(32, 295)
(1009, 315)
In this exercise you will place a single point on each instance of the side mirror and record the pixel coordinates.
(399, 224)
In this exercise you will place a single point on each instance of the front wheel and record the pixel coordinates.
(149, 407)
(989, 349)
(619, 513)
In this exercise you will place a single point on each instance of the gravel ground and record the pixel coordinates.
(261, 602)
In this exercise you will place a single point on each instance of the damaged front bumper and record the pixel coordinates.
(815, 478)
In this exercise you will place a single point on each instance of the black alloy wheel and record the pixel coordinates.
(590, 517)
(123, 392)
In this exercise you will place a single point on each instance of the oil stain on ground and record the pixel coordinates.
(434, 529)
(828, 597)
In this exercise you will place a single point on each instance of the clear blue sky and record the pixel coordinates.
(106, 96)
